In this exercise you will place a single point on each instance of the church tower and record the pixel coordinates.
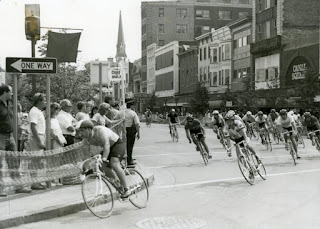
(121, 47)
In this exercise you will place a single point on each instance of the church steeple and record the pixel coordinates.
(121, 47)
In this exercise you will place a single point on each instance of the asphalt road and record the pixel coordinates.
(188, 194)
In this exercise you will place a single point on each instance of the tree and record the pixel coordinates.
(152, 101)
(247, 99)
(200, 99)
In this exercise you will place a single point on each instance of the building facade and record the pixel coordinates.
(151, 68)
(241, 64)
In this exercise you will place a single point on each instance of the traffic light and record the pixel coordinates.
(32, 26)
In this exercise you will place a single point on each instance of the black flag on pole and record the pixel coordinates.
(63, 46)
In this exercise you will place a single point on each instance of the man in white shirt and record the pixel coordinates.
(66, 121)
(36, 138)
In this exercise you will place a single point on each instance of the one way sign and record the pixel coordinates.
(31, 65)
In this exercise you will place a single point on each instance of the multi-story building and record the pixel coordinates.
(214, 62)
(285, 41)
(241, 63)
(188, 74)
(151, 68)
(165, 21)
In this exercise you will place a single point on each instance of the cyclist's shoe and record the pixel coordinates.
(298, 157)
(197, 148)
(218, 136)
(229, 154)
(209, 156)
(287, 146)
(125, 194)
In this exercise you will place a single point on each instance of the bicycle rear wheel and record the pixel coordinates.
(140, 191)
(97, 196)
(246, 169)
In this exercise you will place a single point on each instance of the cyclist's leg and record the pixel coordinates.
(202, 140)
(194, 140)
(115, 164)
(294, 143)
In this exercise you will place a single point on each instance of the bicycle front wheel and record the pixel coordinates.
(246, 170)
(259, 167)
(140, 191)
(293, 153)
(301, 141)
(97, 196)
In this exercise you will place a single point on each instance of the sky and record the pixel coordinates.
(99, 20)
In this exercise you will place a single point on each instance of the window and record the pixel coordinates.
(240, 42)
(214, 79)
(260, 5)
(275, 2)
(202, 14)
(181, 12)
(205, 29)
(227, 76)
(244, 72)
(275, 23)
(235, 44)
(259, 28)
(200, 54)
(161, 43)
(235, 74)
(224, 15)
(248, 70)
(143, 14)
(214, 55)
(220, 52)
(239, 73)
(161, 28)
(276, 73)
(244, 41)
(181, 28)
(204, 53)
(144, 45)
(243, 14)
(161, 12)
(246, 2)
(267, 29)
(144, 60)
(144, 29)
(227, 52)
(267, 74)
(268, 4)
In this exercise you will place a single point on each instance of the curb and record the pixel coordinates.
(52, 212)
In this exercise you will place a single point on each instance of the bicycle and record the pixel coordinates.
(266, 139)
(291, 149)
(148, 121)
(248, 164)
(203, 153)
(300, 140)
(250, 131)
(97, 193)
(276, 135)
(314, 139)
(174, 132)
(223, 139)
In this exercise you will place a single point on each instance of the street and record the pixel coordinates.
(188, 194)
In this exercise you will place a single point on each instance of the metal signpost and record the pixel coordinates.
(19, 65)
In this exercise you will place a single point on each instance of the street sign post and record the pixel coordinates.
(31, 65)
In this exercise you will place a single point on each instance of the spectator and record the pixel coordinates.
(94, 110)
(36, 138)
(57, 138)
(132, 124)
(112, 112)
(100, 118)
(82, 111)
(66, 121)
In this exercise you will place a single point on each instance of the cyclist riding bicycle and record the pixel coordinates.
(287, 123)
(113, 147)
(237, 133)
(248, 118)
(172, 118)
(311, 123)
(262, 124)
(217, 122)
(148, 114)
(193, 129)
(272, 118)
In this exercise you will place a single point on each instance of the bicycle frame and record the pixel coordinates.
(291, 148)
(202, 151)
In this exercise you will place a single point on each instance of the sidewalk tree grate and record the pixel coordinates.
(171, 223)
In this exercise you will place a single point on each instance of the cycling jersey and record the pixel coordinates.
(234, 131)
(285, 123)
(263, 119)
(148, 114)
(311, 122)
(172, 117)
(218, 121)
(248, 118)
(273, 116)
(194, 127)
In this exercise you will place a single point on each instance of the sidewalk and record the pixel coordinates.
(53, 202)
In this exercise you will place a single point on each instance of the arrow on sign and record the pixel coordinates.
(26, 65)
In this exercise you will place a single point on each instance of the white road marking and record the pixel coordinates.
(232, 179)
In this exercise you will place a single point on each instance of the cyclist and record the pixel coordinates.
(217, 122)
(148, 114)
(233, 113)
(113, 147)
(296, 120)
(286, 122)
(262, 124)
(311, 123)
(172, 118)
(248, 118)
(237, 133)
(193, 129)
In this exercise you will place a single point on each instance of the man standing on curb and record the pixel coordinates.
(67, 122)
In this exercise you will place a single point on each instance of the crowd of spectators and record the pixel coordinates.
(63, 124)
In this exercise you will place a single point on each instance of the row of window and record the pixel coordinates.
(247, 2)
(180, 28)
(267, 29)
(241, 42)
(215, 54)
(266, 4)
(180, 12)
(240, 73)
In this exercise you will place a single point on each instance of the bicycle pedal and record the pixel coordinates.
(123, 200)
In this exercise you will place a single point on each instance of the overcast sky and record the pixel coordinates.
(99, 20)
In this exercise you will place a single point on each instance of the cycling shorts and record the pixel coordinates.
(237, 140)
(261, 125)
(117, 150)
(312, 128)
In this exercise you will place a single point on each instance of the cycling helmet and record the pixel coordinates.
(173, 110)
(249, 113)
(231, 112)
(283, 112)
(189, 117)
(215, 112)
(260, 113)
(307, 114)
(291, 112)
(273, 111)
(229, 116)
